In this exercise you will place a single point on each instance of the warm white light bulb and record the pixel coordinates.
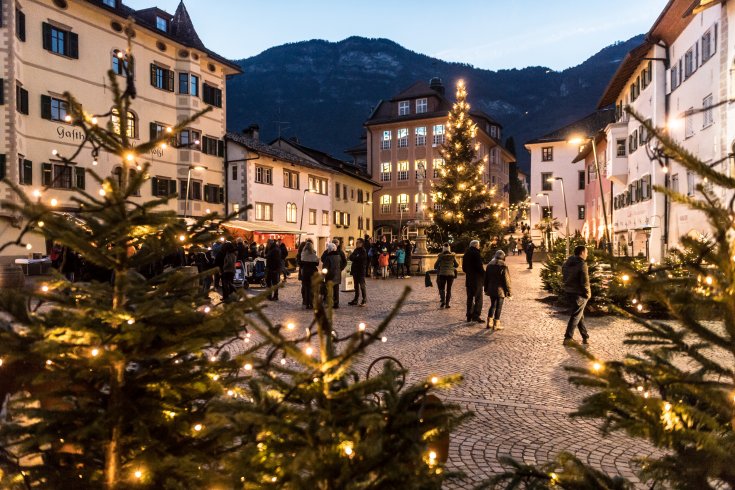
(290, 326)
(248, 367)
(309, 351)
(54, 202)
(361, 327)
(95, 352)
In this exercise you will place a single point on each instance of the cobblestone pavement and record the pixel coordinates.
(515, 381)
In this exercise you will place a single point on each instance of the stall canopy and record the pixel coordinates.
(261, 232)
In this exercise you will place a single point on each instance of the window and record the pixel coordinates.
(161, 78)
(691, 183)
(263, 211)
(290, 179)
(547, 154)
(312, 216)
(580, 212)
(109, 3)
(59, 41)
(545, 184)
(420, 169)
(709, 46)
(385, 142)
(419, 202)
(194, 86)
(707, 116)
(404, 108)
(234, 172)
(161, 24)
(690, 65)
(25, 171)
(119, 64)
(190, 139)
(674, 184)
(438, 132)
(214, 194)
(163, 187)
(21, 99)
(213, 146)
(367, 223)
(344, 192)
(620, 147)
(131, 125)
(420, 135)
(633, 141)
(20, 25)
(385, 204)
(403, 170)
(53, 109)
(422, 106)
(580, 180)
(402, 136)
(291, 212)
(547, 212)
(438, 167)
(318, 185)
(337, 188)
(62, 176)
(403, 203)
(689, 123)
(188, 84)
(195, 189)
(645, 188)
(183, 83)
(674, 77)
(263, 175)
(386, 169)
(211, 95)
(325, 218)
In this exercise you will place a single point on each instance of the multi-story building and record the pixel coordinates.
(676, 79)
(54, 46)
(351, 199)
(288, 195)
(551, 159)
(598, 189)
(404, 136)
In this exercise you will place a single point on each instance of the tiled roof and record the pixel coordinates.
(418, 89)
(264, 149)
(587, 126)
(627, 67)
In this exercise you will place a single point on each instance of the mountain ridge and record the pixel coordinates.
(322, 91)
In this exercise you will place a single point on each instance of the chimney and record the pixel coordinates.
(252, 131)
(437, 85)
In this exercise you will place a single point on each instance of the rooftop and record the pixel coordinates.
(589, 125)
(261, 148)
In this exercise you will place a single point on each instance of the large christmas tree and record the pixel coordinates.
(677, 390)
(142, 381)
(464, 202)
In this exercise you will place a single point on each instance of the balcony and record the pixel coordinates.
(616, 169)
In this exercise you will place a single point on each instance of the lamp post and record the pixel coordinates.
(188, 183)
(566, 211)
(400, 222)
(303, 205)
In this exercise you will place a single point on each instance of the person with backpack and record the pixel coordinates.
(497, 286)
(446, 267)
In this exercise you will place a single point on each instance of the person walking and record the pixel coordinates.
(474, 277)
(273, 267)
(228, 270)
(331, 263)
(529, 253)
(512, 245)
(497, 286)
(359, 258)
(446, 267)
(577, 288)
(308, 265)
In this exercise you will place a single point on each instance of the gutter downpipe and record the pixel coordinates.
(667, 175)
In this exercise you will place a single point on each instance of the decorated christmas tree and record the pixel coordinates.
(138, 380)
(677, 389)
(465, 207)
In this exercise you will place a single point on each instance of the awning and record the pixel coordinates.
(262, 227)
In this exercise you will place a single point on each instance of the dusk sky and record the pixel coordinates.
(490, 34)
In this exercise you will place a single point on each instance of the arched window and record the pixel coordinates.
(402, 203)
(119, 64)
(131, 124)
(385, 204)
(291, 212)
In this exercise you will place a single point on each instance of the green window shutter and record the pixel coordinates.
(154, 131)
(153, 74)
(170, 80)
(221, 194)
(154, 186)
(80, 177)
(46, 36)
(171, 187)
(45, 107)
(3, 165)
(220, 148)
(73, 45)
(46, 174)
(2, 91)
(24, 101)
(27, 172)
(20, 25)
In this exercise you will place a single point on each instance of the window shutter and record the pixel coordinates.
(170, 80)
(27, 172)
(154, 131)
(80, 177)
(220, 148)
(2, 91)
(171, 187)
(207, 94)
(3, 161)
(46, 174)
(154, 186)
(24, 101)
(46, 36)
(20, 24)
(73, 45)
(45, 107)
(153, 74)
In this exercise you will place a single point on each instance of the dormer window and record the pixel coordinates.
(109, 3)
(161, 24)
(404, 108)
(422, 106)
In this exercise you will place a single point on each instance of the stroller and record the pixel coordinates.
(240, 281)
(257, 273)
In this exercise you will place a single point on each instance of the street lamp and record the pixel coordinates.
(303, 205)
(548, 205)
(188, 183)
(566, 211)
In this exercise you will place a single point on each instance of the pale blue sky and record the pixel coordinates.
(490, 34)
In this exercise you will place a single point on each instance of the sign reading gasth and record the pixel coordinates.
(65, 133)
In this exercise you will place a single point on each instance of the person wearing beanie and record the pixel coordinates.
(446, 267)
(497, 286)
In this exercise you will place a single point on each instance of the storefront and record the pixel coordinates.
(260, 233)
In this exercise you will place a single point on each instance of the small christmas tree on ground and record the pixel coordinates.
(466, 207)
(678, 390)
(127, 383)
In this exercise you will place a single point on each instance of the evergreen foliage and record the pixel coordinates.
(466, 203)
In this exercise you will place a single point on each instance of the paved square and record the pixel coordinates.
(515, 381)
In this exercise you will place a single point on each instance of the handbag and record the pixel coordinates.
(427, 280)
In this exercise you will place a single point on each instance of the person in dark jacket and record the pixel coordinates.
(242, 250)
(577, 288)
(446, 267)
(228, 270)
(408, 247)
(273, 267)
(529, 253)
(284, 255)
(308, 265)
(358, 257)
(474, 277)
(331, 266)
(497, 286)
